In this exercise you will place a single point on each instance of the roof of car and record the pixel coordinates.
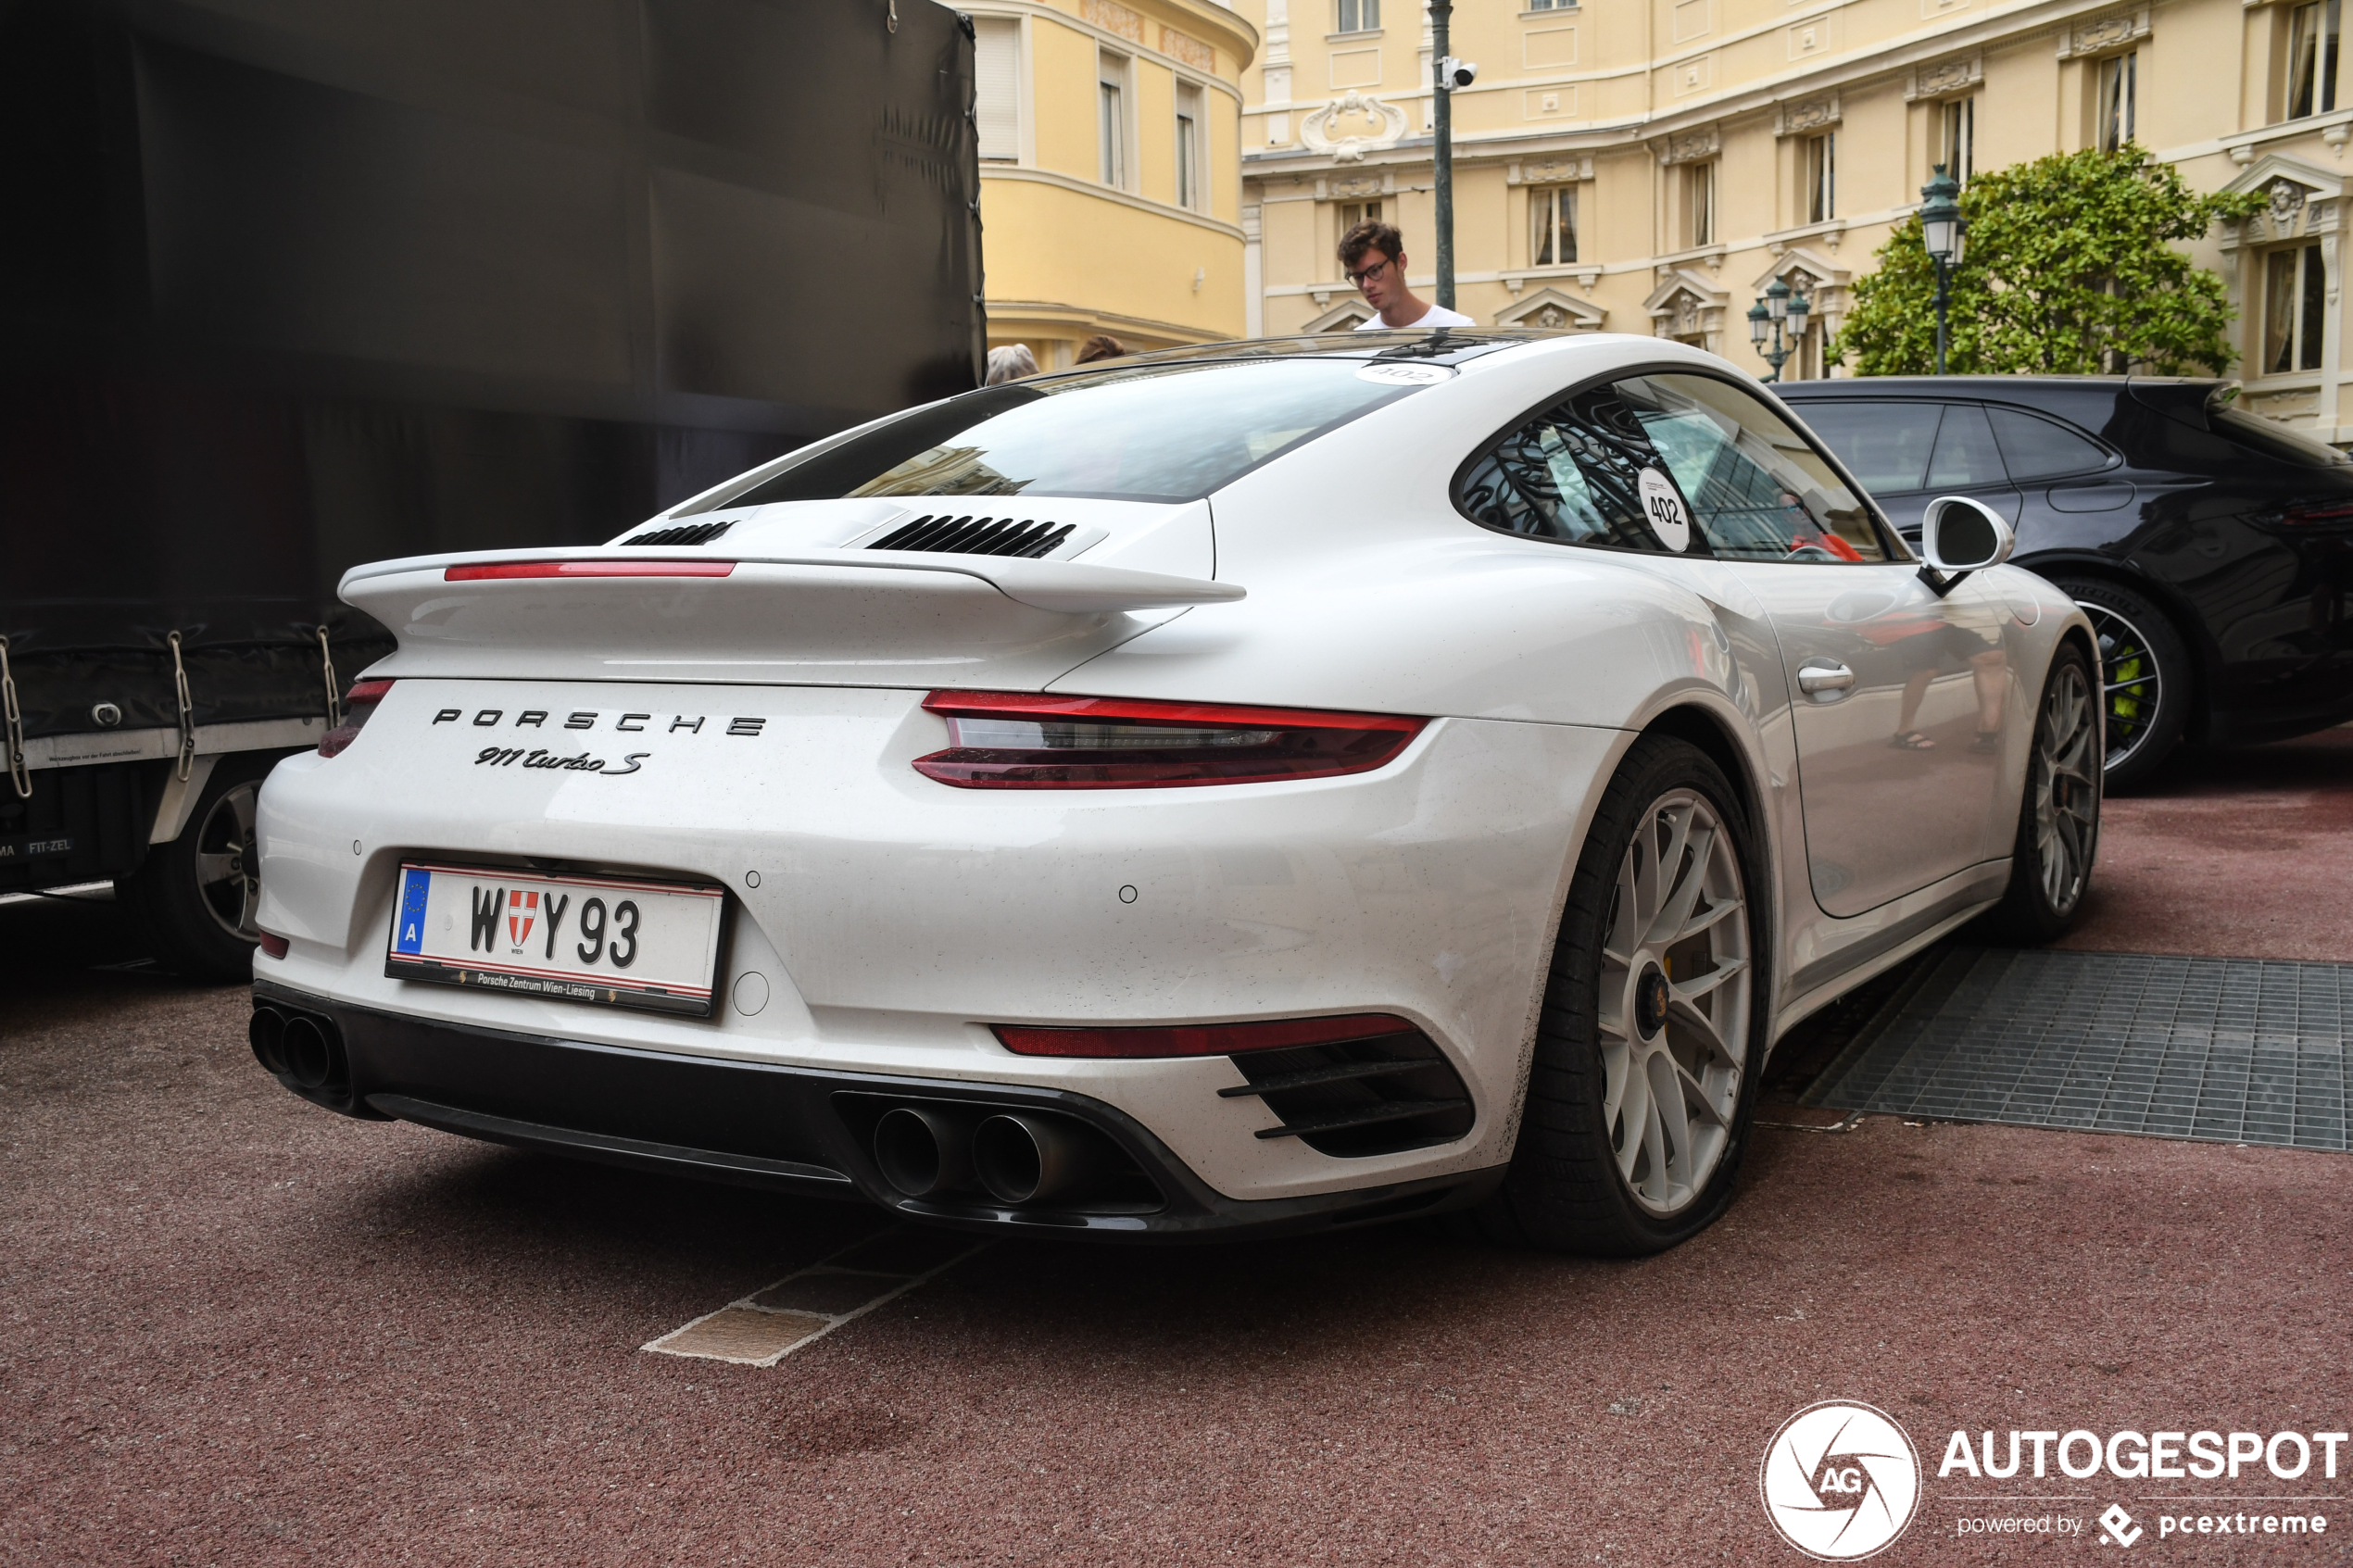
(2023, 387)
(1446, 345)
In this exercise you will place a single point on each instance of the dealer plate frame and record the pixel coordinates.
(436, 971)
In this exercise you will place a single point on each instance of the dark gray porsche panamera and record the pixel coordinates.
(2213, 547)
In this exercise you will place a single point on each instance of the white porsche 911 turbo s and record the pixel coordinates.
(1233, 791)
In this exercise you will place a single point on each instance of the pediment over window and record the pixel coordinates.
(1340, 317)
(1800, 268)
(2301, 198)
(1550, 308)
(1675, 287)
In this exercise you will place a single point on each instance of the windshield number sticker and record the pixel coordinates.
(1405, 375)
(1663, 509)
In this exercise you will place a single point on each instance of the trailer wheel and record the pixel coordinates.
(196, 898)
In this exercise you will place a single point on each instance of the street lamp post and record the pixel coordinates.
(1942, 224)
(1777, 305)
(1441, 13)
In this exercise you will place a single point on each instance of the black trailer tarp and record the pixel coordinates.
(285, 287)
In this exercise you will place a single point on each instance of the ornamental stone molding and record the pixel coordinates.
(1945, 79)
(2300, 201)
(1806, 114)
(1816, 277)
(1687, 306)
(1549, 169)
(1349, 127)
(2103, 34)
(1550, 307)
(1341, 317)
(1689, 147)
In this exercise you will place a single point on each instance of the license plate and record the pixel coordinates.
(606, 941)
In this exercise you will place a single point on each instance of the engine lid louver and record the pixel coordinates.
(683, 534)
(944, 534)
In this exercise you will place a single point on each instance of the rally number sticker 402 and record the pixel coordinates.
(605, 941)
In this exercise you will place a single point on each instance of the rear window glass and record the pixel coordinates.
(2036, 449)
(1159, 432)
(2272, 438)
(1886, 444)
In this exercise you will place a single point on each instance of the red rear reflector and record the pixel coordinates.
(1035, 740)
(1198, 1039)
(273, 945)
(490, 571)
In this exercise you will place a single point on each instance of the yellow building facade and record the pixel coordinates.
(1652, 166)
(1110, 183)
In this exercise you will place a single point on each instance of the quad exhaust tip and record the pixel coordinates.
(1031, 1158)
(305, 1052)
(923, 1152)
(1018, 1158)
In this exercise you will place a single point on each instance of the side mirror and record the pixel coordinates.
(1958, 536)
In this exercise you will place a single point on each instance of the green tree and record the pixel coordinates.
(2069, 270)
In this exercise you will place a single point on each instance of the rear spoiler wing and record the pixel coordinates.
(1066, 588)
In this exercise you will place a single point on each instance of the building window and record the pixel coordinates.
(997, 86)
(2294, 309)
(1956, 147)
(2311, 59)
(1820, 200)
(2117, 75)
(1359, 16)
(1111, 101)
(1190, 159)
(1699, 205)
(1553, 217)
(1354, 213)
(1552, 5)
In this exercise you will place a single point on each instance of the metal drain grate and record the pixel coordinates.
(2234, 1050)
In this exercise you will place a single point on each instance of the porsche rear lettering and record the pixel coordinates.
(507, 756)
(536, 719)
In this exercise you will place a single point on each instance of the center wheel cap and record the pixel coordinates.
(1651, 997)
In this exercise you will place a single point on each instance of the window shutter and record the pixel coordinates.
(997, 85)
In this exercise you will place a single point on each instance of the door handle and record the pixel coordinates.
(1824, 680)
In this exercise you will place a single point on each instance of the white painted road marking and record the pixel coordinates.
(769, 1323)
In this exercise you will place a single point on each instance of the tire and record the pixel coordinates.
(2144, 672)
(2058, 820)
(1597, 1170)
(194, 898)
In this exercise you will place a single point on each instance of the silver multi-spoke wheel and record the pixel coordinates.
(1674, 1002)
(2066, 799)
(226, 863)
(2132, 681)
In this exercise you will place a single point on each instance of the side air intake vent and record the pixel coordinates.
(975, 536)
(1358, 1098)
(684, 533)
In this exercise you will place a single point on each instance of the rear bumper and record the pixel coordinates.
(790, 1129)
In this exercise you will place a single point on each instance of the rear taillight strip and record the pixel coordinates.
(1036, 740)
(358, 704)
(501, 571)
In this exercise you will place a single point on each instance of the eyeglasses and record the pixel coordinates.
(1375, 271)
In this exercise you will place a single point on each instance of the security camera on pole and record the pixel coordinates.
(1449, 75)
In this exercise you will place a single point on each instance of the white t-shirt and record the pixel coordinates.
(1432, 319)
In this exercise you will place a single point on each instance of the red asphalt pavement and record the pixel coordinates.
(238, 1329)
(2244, 854)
